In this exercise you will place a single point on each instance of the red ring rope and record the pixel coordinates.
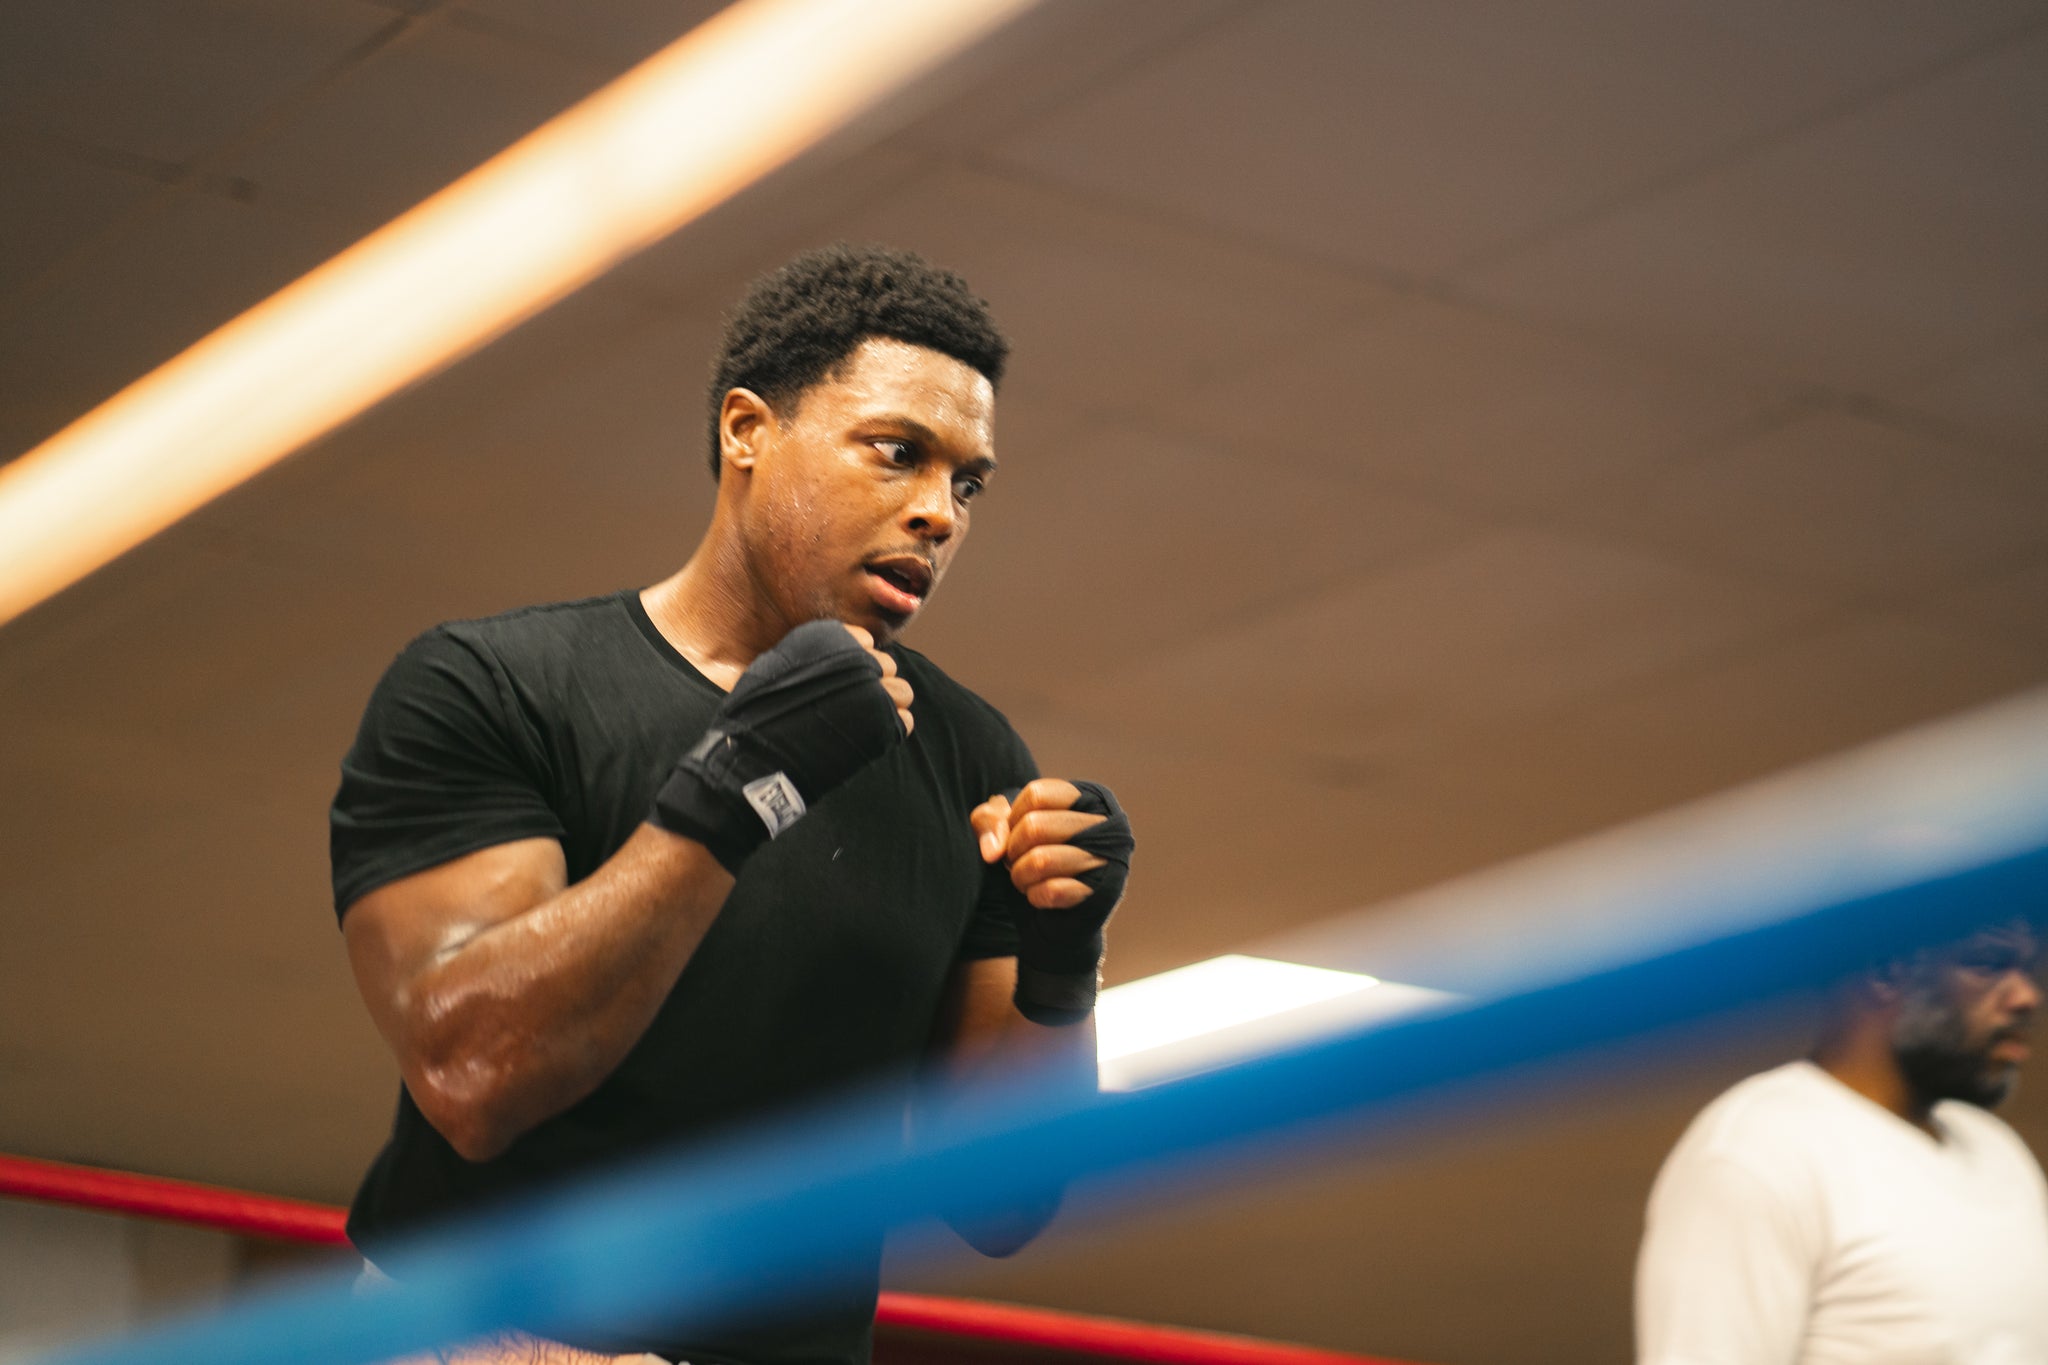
(260, 1215)
(180, 1201)
(1086, 1335)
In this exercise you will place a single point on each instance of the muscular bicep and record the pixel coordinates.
(400, 932)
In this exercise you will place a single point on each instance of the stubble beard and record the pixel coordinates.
(1932, 1042)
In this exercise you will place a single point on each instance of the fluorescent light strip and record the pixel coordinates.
(1220, 993)
(715, 111)
(1201, 1016)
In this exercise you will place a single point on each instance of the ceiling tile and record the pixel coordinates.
(1032, 63)
(1107, 310)
(616, 33)
(140, 298)
(297, 1106)
(57, 792)
(1861, 252)
(1233, 852)
(417, 116)
(1115, 543)
(709, 262)
(576, 439)
(1411, 135)
(2009, 604)
(2001, 396)
(73, 200)
(259, 849)
(169, 79)
(1047, 58)
(1841, 503)
(104, 603)
(214, 686)
(1363, 679)
(1035, 62)
(1450, 398)
(1796, 697)
(567, 440)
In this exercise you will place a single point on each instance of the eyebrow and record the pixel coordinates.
(2016, 942)
(924, 435)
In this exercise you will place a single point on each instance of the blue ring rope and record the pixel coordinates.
(739, 1227)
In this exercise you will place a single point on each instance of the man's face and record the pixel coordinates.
(858, 500)
(1964, 1015)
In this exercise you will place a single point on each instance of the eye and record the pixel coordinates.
(968, 488)
(900, 453)
(1994, 961)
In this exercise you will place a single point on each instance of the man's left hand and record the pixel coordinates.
(1068, 848)
(1030, 833)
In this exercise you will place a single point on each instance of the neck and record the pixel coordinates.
(713, 611)
(1860, 1056)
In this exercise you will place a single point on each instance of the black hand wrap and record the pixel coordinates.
(803, 718)
(1059, 952)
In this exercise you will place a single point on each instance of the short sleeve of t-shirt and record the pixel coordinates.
(1726, 1270)
(443, 765)
(992, 931)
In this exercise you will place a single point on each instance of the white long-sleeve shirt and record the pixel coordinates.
(1798, 1223)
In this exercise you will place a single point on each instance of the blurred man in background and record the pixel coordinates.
(1865, 1205)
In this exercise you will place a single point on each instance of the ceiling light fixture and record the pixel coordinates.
(1198, 1017)
(712, 113)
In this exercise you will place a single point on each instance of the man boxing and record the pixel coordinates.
(644, 867)
(1864, 1206)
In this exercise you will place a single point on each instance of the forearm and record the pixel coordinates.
(517, 1021)
(1011, 1048)
(989, 1047)
(1060, 1059)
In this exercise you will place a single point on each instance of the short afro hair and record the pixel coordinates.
(796, 324)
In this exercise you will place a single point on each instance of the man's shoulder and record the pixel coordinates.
(1987, 1132)
(1771, 1110)
(545, 637)
(541, 629)
(1757, 1139)
(485, 662)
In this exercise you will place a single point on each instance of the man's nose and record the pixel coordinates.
(928, 514)
(2023, 993)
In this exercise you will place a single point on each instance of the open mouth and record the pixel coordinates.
(909, 576)
(899, 583)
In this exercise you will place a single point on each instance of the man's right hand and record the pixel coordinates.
(897, 687)
(803, 718)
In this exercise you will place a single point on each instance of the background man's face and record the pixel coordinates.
(1964, 1016)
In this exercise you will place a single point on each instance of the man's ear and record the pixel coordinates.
(744, 422)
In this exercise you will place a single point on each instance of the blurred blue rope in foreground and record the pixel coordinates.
(747, 1223)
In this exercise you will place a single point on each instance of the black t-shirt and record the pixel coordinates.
(822, 972)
